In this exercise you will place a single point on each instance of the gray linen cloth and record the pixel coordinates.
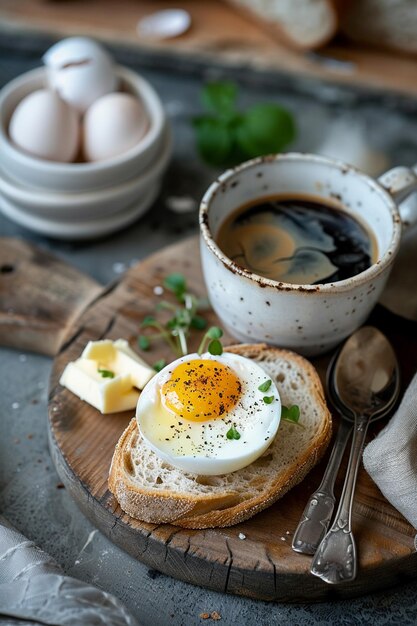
(34, 590)
(391, 458)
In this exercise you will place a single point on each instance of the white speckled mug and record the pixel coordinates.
(310, 319)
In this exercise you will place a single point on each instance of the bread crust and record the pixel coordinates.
(197, 511)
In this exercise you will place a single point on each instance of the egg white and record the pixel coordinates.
(203, 447)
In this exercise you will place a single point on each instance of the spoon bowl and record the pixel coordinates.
(386, 398)
(365, 376)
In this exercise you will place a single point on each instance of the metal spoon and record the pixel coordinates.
(366, 382)
(318, 511)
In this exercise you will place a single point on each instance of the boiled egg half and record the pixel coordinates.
(206, 414)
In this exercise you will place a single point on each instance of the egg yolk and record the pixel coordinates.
(201, 389)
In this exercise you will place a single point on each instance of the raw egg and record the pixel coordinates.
(206, 414)
(45, 126)
(113, 125)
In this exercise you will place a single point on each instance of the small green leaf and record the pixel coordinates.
(268, 399)
(175, 282)
(219, 97)
(215, 347)
(265, 386)
(184, 317)
(159, 365)
(232, 433)
(143, 342)
(291, 414)
(214, 332)
(198, 322)
(214, 140)
(149, 320)
(265, 129)
(105, 373)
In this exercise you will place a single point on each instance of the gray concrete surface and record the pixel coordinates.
(31, 496)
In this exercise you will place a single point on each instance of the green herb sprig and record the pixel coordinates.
(291, 414)
(105, 373)
(185, 316)
(211, 342)
(227, 136)
(232, 433)
(265, 385)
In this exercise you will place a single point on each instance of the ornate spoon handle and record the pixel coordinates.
(335, 559)
(318, 512)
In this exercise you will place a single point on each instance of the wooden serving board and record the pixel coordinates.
(82, 441)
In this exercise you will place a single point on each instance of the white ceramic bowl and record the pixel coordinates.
(85, 206)
(78, 177)
(76, 229)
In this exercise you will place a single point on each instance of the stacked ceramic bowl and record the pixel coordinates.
(82, 200)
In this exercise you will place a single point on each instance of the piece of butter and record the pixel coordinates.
(118, 357)
(107, 394)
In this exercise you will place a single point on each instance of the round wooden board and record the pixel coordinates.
(261, 566)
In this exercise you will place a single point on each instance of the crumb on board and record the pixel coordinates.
(242, 536)
(214, 615)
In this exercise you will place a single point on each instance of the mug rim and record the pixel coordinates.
(337, 286)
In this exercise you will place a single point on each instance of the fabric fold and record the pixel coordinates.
(391, 458)
(33, 587)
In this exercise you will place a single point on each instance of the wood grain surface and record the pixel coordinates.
(261, 566)
(40, 297)
(219, 34)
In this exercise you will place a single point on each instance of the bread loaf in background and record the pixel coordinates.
(310, 24)
(305, 24)
(384, 23)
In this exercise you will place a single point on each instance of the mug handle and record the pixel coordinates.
(400, 182)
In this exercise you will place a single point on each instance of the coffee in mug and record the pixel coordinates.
(298, 240)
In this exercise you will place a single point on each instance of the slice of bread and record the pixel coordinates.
(149, 489)
(383, 23)
(306, 24)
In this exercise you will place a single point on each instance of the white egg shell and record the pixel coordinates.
(80, 70)
(46, 127)
(203, 447)
(113, 125)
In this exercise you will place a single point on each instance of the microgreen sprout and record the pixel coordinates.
(211, 342)
(291, 414)
(185, 316)
(232, 433)
(105, 373)
(265, 386)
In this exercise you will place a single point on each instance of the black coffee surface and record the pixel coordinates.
(297, 240)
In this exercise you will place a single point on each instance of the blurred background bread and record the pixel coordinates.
(304, 23)
(384, 23)
(310, 24)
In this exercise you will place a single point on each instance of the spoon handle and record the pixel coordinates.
(318, 511)
(335, 560)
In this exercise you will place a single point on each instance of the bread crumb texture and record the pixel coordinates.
(151, 490)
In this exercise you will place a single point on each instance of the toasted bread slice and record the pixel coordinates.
(149, 489)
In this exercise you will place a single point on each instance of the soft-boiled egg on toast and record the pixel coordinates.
(209, 414)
